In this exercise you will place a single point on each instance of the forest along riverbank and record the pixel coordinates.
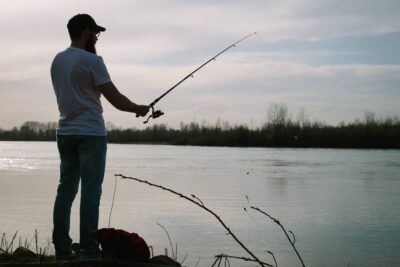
(279, 131)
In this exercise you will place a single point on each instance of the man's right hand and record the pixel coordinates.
(142, 110)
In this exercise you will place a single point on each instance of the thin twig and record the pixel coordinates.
(241, 258)
(27, 245)
(201, 206)
(273, 256)
(227, 261)
(12, 241)
(294, 237)
(283, 229)
(219, 262)
(36, 240)
(112, 203)
(217, 259)
(170, 242)
(2, 244)
(197, 263)
(184, 258)
(201, 202)
(176, 251)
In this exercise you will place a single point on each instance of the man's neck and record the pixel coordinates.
(78, 44)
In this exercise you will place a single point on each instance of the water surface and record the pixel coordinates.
(342, 205)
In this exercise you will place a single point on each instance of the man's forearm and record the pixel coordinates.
(124, 104)
(120, 101)
(117, 99)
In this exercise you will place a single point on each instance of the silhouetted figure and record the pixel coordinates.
(79, 77)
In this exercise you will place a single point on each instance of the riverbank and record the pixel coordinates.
(83, 263)
(23, 257)
(370, 133)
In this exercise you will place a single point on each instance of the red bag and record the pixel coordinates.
(121, 245)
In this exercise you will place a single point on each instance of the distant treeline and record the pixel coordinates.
(279, 130)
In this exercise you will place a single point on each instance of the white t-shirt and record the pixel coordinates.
(75, 73)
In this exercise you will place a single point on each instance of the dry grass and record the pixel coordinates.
(18, 249)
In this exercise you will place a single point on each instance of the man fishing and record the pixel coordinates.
(79, 78)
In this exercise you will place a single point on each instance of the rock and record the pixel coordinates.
(165, 261)
(24, 253)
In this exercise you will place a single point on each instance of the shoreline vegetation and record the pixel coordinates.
(279, 130)
(24, 255)
(250, 256)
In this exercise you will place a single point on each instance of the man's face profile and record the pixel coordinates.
(90, 44)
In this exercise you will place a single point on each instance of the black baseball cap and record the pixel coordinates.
(82, 21)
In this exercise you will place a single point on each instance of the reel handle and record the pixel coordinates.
(154, 114)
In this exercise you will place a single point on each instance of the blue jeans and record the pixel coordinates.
(83, 158)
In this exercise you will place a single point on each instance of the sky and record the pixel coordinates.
(335, 60)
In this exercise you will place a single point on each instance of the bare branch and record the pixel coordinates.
(12, 241)
(219, 260)
(201, 206)
(169, 238)
(294, 237)
(176, 251)
(36, 240)
(283, 229)
(112, 203)
(201, 202)
(227, 261)
(184, 258)
(197, 263)
(240, 258)
(273, 256)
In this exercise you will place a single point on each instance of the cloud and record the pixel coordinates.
(247, 67)
(23, 73)
(215, 20)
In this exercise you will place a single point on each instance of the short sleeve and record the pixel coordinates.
(99, 72)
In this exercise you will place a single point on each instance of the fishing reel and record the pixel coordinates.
(154, 114)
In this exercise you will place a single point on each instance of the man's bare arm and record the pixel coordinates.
(120, 101)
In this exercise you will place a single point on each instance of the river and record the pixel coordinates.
(341, 204)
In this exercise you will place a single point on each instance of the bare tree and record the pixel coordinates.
(302, 118)
(369, 118)
(278, 115)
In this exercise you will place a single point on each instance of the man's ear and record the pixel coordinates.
(86, 33)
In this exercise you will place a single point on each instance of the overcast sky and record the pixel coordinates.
(335, 59)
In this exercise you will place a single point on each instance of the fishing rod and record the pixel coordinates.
(158, 113)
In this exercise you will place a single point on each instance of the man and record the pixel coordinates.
(79, 77)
